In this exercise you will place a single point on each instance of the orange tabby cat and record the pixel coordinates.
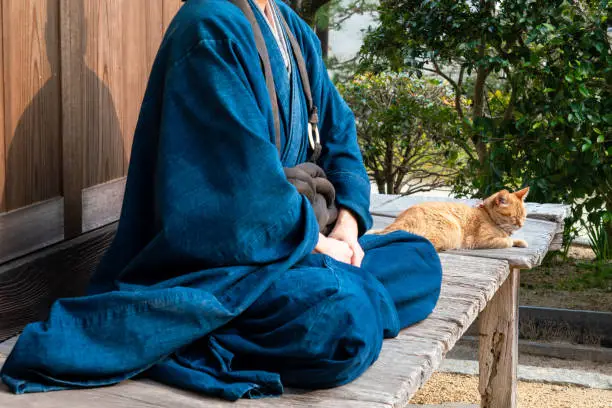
(459, 226)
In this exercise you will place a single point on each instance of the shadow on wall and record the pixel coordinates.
(34, 157)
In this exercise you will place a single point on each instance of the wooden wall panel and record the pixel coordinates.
(170, 7)
(2, 123)
(31, 79)
(69, 129)
(142, 32)
(100, 65)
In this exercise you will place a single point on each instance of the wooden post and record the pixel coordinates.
(498, 348)
(72, 30)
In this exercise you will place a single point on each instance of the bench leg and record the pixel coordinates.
(498, 347)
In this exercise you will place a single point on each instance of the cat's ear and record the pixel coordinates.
(522, 194)
(501, 199)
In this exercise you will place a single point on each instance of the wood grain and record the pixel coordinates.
(102, 204)
(32, 113)
(109, 46)
(170, 8)
(405, 363)
(147, 394)
(498, 347)
(73, 131)
(29, 285)
(92, 143)
(2, 121)
(101, 64)
(31, 228)
(138, 38)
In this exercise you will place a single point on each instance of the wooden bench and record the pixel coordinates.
(475, 283)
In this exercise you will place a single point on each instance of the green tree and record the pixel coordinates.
(550, 125)
(407, 130)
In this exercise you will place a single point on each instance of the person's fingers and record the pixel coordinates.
(358, 255)
(348, 253)
(339, 250)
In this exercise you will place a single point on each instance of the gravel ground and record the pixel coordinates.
(447, 388)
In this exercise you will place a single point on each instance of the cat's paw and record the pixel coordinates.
(520, 243)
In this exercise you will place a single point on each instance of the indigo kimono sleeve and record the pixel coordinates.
(341, 158)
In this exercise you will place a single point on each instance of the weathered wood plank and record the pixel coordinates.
(31, 228)
(405, 363)
(498, 348)
(29, 285)
(538, 234)
(149, 394)
(102, 204)
(7, 346)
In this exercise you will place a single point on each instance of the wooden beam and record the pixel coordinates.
(72, 29)
(102, 204)
(29, 285)
(498, 348)
(31, 228)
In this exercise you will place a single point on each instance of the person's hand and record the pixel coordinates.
(347, 231)
(338, 250)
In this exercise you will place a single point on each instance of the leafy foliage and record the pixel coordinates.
(598, 239)
(408, 131)
(336, 12)
(538, 74)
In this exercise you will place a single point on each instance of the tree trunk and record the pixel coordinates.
(388, 170)
(323, 34)
(478, 112)
(380, 181)
(608, 227)
(479, 89)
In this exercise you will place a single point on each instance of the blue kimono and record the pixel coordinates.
(211, 283)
